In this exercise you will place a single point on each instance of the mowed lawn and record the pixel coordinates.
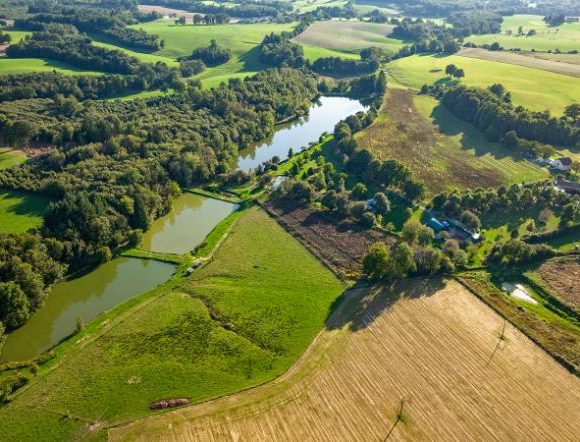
(20, 212)
(533, 88)
(242, 320)
(565, 37)
(349, 36)
(441, 150)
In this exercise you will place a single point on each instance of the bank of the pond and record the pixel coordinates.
(322, 117)
(83, 298)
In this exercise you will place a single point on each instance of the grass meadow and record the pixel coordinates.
(441, 150)
(20, 212)
(565, 37)
(240, 321)
(533, 88)
(10, 157)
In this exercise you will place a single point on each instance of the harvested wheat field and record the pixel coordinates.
(559, 67)
(562, 276)
(430, 342)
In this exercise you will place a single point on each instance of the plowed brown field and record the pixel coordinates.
(430, 342)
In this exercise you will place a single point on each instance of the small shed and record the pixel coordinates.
(189, 270)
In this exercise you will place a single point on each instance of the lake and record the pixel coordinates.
(323, 116)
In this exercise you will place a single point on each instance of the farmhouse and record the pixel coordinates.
(561, 163)
(572, 19)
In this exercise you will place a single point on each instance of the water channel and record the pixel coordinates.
(190, 220)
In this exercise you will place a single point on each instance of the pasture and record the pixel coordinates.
(533, 88)
(241, 39)
(565, 37)
(441, 150)
(425, 360)
(349, 36)
(240, 321)
(20, 212)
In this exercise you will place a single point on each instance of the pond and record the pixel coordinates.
(322, 118)
(191, 218)
(84, 297)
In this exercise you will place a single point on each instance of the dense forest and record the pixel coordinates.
(113, 175)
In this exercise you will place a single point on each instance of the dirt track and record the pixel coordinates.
(523, 60)
(432, 343)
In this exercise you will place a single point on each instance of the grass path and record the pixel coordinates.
(430, 342)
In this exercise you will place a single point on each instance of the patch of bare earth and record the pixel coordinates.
(563, 277)
(341, 245)
(402, 133)
(558, 67)
(431, 347)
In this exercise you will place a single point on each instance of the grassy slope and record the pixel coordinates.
(349, 36)
(20, 212)
(532, 88)
(242, 40)
(441, 150)
(10, 157)
(565, 37)
(27, 65)
(272, 302)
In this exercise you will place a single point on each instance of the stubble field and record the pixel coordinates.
(429, 345)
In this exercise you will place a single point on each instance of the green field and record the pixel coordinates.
(441, 150)
(241, 39)
(10, 157)
(313, 53)
(16, 34)
(240, 321)
(349, 36)
(145, 58)
(28, 65)
(20, 212)
(302, 6)
(565, 37)
(535, 89)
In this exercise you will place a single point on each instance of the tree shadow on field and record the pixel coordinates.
(359, 306)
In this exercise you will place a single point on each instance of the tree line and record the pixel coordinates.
(111, 25)
(492, 112)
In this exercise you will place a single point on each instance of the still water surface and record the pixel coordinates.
(85, 297)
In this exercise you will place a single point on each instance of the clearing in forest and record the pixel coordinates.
(559, 67)
(441, 150)
(238, 322)
(535, 89)
(349, 36)
(20, 212)
(565, 37)
(457, 369)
